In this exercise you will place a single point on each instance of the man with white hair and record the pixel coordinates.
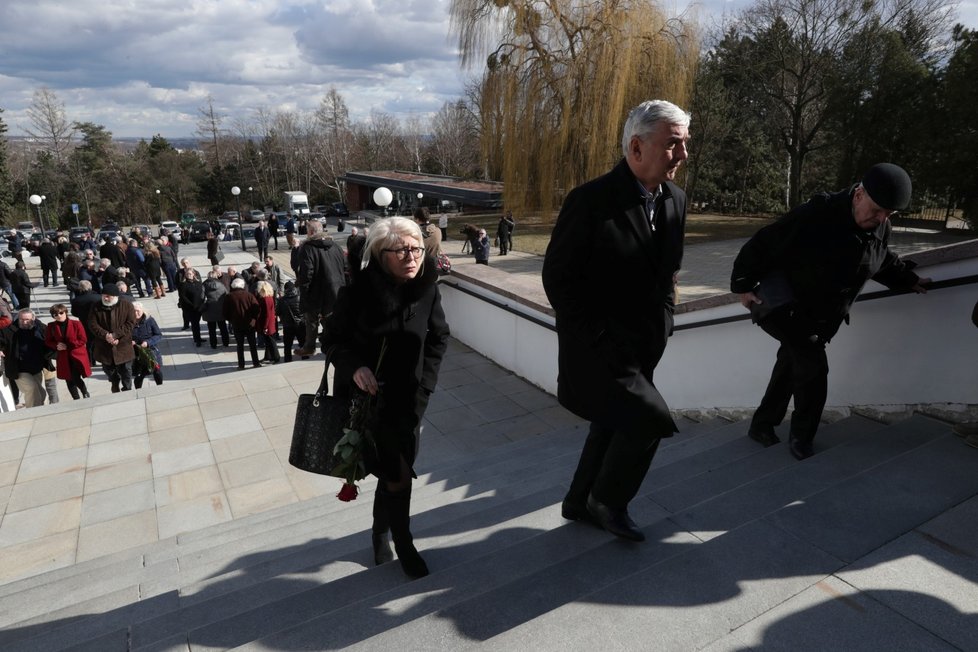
(111, 322)
(611, 333)
(321, 274)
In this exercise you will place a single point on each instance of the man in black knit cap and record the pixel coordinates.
(799, 277)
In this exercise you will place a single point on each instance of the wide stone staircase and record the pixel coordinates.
(870, 544)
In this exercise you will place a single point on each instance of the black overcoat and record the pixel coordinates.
(610, 281)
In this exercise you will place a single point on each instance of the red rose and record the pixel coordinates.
(348, 492)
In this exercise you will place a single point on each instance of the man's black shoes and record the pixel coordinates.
(615, 521)
(574, 511)
(801, 450)
(763, 436)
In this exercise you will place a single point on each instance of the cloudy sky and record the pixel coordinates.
(141, 67)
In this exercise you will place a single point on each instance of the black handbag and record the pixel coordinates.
(775, 293)
(319, 423)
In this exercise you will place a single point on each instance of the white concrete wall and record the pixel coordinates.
(903, 349)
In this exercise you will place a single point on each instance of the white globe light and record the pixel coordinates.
(383, 197)
(235, 191)
(35, 199)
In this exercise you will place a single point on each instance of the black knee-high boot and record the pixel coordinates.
(381, 527)
(399, 515)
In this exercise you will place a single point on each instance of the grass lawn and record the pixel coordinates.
(532, 236)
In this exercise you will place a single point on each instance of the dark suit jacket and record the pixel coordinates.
(609, 279)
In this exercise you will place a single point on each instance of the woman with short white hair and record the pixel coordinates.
(390, 334)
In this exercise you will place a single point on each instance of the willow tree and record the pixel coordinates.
(560, 77)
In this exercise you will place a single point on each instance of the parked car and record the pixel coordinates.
(173, 228)
(107, 233)
(34, 242)
(231, 216)
(341, 209)
(256, 215)
(140, 231)
(198, 231)
(76, 233)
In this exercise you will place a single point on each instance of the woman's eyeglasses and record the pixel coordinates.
(402, 254)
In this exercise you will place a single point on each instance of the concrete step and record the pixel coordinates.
(258, 542)
(674, 592)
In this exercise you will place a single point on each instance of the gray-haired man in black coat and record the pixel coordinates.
(612, 327)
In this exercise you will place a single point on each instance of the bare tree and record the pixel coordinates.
(49, 123)
(209, 128)
(455, 139)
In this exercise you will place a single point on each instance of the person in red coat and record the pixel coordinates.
(266, 321)
(67, 337)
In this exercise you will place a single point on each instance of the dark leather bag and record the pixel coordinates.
(775, 293)
(319, 423)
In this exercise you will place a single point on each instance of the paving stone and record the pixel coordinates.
(68, 438)
(223, 408)
(260, 496)
(8, 472)
(497, 409)
(37, 555)
(113, 503)
(193, 514)
(39, 522)
(53, 489)
(121, 533)
(48, 464)
(275, 416)
(230, 389)
(171, 401)
(181, 459)
(173, 417)
(16, 429)
(127, 410)
(239, 446)
(166, 440)
(284, 398)
(56, 422)
(473, 393)
(249, 470)
(240, 423)
(128, 448)
(12, 450)
(187, 485)
(118, 474)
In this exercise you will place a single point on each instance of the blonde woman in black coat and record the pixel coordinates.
(392, 303)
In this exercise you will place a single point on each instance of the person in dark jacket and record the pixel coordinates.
(111, 250)
(154, 271)
(6, 275)
(192, 302)
(214, 295)
(273, 228)
(389, 334)
(67, 337)
(111, 322)
(168, 261)
(801, 275)
(612, 333)
(214, 253)
(48, 253)
(322, 272)
(15, 242)
(504, 233)
(26, 356)
(146, 334)
(21, 285)
(261, 239)
(241, 310)
(136, 262)
(293, 327)
(480, 248)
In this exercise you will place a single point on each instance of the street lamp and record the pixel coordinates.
(383, 198)
(420, 197)
(237, 191)
(159, 207)
(251, 199)
(36, 200)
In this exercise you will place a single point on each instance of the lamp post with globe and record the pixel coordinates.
(383, 198)
(36, 200)
(159, 208)
(236, 191)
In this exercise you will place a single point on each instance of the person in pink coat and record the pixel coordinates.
(67, 337)
(266, 321)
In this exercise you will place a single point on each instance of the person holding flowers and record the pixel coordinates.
(146, 335)
(388, 334)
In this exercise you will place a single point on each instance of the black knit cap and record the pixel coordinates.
(111, 289)
(888, 185)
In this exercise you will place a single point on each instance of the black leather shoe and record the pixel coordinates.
(615, 521)
(801, 450)
(764, 436)
(411, 562)
(573, 511)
